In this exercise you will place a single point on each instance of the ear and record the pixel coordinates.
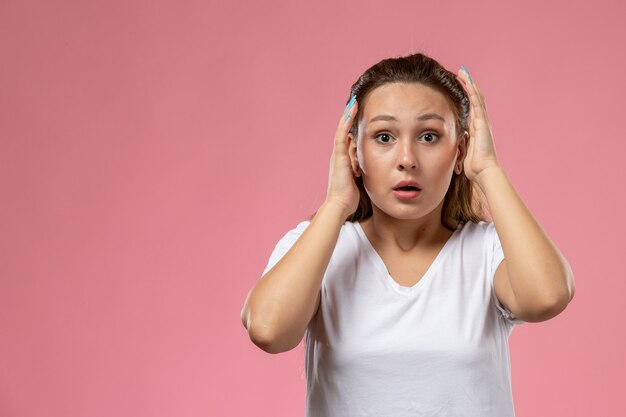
(462, 148)
(352, 151)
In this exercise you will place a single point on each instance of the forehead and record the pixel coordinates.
(406, 101)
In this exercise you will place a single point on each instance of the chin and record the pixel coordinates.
(410, 212)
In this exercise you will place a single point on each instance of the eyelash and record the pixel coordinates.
(427, 133)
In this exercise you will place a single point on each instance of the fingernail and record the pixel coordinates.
(350, 103)
(347, 116)
(468, 74)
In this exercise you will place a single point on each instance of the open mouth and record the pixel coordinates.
(407, 188)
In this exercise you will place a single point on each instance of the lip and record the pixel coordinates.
(407, 182)
(406, 195)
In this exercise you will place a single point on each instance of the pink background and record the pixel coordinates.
(153, 152)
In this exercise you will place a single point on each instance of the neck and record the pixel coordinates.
(406, 234)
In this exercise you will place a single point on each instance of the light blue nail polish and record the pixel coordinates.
(468, 74)
(350, 104)
(347, 116)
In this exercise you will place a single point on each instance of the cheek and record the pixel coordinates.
(376, 174)
(442, 173)
(371, 164)
(442, 162)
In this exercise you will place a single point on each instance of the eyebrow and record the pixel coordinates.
(425, 116)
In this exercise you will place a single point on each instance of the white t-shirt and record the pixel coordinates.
(438, 348)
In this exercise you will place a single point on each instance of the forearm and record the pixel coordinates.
(540, 275)
(281, 304)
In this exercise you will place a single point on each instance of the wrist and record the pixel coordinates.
(487, 174)
(335, 209)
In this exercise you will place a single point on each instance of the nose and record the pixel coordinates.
(407, 158)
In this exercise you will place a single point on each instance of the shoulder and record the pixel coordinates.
(344, 246)
(475, 238)
(477, 230)
(348, 231)
(289, 237)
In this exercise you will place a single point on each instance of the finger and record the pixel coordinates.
(481, 107)
(341, 136)
(463, 76)
(481, 98)
(467, 86)
(470, 85)
(346, 110)
(474, 90)
(349, 104)
(477, 104)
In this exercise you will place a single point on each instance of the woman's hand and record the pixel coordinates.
(342, 188)
(481, 153)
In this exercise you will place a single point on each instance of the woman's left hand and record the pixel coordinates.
(481, 152)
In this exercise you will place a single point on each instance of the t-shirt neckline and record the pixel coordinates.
(380, 264)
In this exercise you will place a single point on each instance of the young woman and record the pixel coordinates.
(404, 292)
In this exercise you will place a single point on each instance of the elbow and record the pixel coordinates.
(553, 311)
(549, 310)
(262, 339)
(265, 340)
(558, 302)
(260, 334)
(262, 331)
(571, 287)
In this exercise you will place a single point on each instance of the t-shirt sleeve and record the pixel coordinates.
(285, 243)
(497, 258)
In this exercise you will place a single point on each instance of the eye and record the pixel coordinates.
(380, 135)
(432, 135)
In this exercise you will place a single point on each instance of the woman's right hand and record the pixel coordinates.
(342, 188)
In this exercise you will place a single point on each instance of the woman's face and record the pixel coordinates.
(406, 131)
